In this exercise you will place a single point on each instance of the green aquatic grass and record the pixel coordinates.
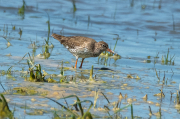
(103, 60)
(132, 112)
(168, 59)
(91, 74)
(36, 74)
(49, 28)
(9, 74)
(2, 86)
(157, 74)
(119, 110)
(20, 32)
(63, 78)
(21, 10)
(62, 69)
(74, 6)
(9, 70)
(105, 97)
(95, 97)
(46, 52)
(150, 111)
(47, 48)
(115, 44)
(13, 28)
(5, 112)
(177, 97)
(83, 115)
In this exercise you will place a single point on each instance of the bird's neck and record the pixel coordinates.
(97, 51)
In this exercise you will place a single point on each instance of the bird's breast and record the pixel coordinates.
(81, 52)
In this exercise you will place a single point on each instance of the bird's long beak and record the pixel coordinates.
(109, 50)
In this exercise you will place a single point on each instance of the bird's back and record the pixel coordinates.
(73, 41)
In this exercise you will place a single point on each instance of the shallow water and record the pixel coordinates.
(145, 31)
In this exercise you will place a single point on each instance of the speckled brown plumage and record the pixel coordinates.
(74, 41)
(82, 47)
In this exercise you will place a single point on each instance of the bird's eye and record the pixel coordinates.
(103, 45)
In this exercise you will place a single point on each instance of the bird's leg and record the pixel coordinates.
(81, 62)
(76, 62)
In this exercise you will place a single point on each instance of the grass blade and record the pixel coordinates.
(85, 101)
(62, 106)
(132, 112)
(105, 97)
(78, 100)
(121, 109)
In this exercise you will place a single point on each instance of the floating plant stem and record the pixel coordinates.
(65, 101)
(150, 112)
(95, 97)
(177, 97)
(22, 9)
(132, 112)
(62, 106)
(9, 70)
(107, 110)
(91, 74)
(2, 86)
(118, 103)
(62, 70)
(74, 6)
(157, 75)
(46, 52)
(115, 44)
(20, 32)
(105, 97)
(48, 22)
(23, 57)
(121, 109)
(160, 112)
(13, 28)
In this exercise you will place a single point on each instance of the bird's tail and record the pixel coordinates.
(58, 37)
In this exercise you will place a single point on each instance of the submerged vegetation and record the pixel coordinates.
(86, 115)
(77, 104)
(21, 10)
(168, 59)
(47, 46)
(5, 112)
